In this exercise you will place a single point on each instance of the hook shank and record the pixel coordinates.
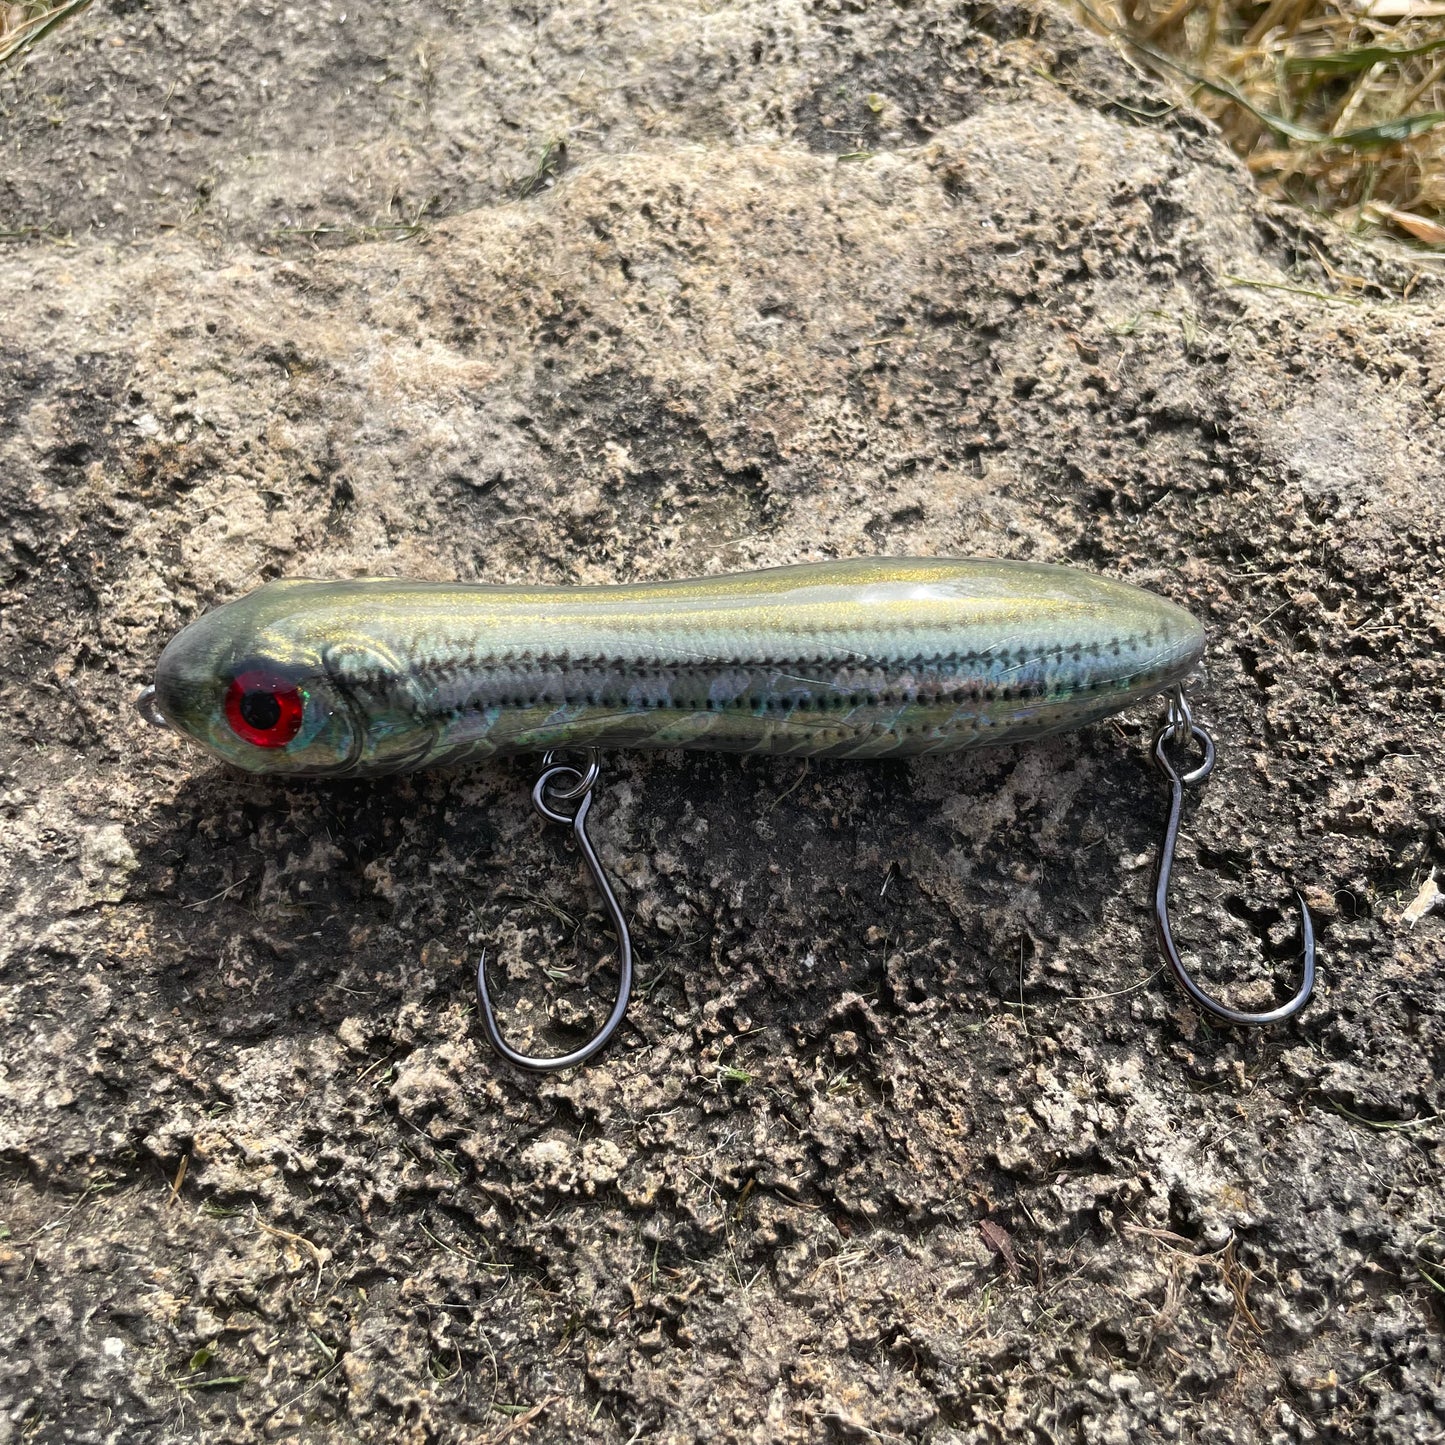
(578, 790)
(1180, 723)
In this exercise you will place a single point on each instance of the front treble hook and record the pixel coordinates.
(555, 780)
(1179, 723)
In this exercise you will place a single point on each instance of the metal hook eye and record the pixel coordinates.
(580, 792)
(1200, 735)
(584, 781)
(1177, 721)
(145, 705)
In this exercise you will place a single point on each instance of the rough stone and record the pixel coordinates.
(594, 292)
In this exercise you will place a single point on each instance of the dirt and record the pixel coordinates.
(906, 1138)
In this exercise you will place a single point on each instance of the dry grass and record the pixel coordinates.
(1337, 105)
(23, 22)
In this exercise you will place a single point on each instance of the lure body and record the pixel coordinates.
(867, 658)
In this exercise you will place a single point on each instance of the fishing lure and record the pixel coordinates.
(868, 658)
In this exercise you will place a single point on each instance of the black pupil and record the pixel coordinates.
(261, 710)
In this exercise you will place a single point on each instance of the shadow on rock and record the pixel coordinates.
(760, 892)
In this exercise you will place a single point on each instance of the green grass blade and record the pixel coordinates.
(1347, 62)
(1389, 131)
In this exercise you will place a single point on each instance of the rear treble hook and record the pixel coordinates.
(578, 791)
(1179, 723)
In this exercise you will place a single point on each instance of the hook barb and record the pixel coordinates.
(565, 784)
(1180, 723)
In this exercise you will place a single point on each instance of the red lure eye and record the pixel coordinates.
(264, 709)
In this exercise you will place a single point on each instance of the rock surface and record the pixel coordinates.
(906, 1139)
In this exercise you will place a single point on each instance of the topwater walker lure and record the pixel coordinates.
(869, 658)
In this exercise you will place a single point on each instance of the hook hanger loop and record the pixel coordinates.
(560, 784)
(1179, 723)
(146, 706)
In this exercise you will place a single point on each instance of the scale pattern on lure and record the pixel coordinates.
(866, 658)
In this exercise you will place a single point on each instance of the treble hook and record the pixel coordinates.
(579, 791)
(1179, 723)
